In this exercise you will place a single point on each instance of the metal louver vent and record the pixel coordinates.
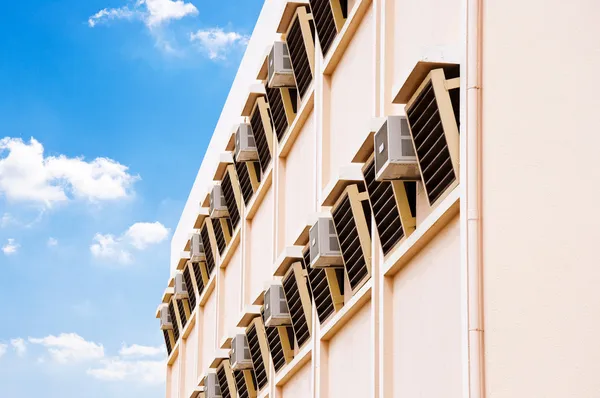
(299, 56)
(278, 108)
(175, 323)
(325, 13)
(222, 378)
(245, 383)
(167, 341)
(245, 182)
(258, 363)
(208, 251)
(222, 235)
(262, 145)
(433, 119)
(352, 220)
(187, 277)
(296, 294)
(182, 315)
(321, 291)
(234, 214)
(199, 278)
(383, 205)
(276, 342)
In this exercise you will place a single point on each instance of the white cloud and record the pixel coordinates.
(6, 220)
(136, 350)
(218, 43)
(152, 12)
(3, 348)
(52, 242)
(139, 236)
(27, 175)
(116, 369)
(19, 346)
(70, 347)
(11, 247)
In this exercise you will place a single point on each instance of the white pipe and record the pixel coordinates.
(474, 264)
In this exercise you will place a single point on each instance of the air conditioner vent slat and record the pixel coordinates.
(257, 359)
(222, 378)
(228, 193)
(182, 313)
(299, 57)
(278, 111)
(168, 341)
(294, 300)
(174, 320)
(220, 234)
(240, 383)
(264, 154)
(430, 136)
(208, 253)
(325, 23)
(245, 183)
(385, 210)
(187, 277)
(199, 280)
(275, 344)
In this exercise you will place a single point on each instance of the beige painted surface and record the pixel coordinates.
(349, 366)
(299, 385)
(351, 104)
(173, 380)
(208, 333)
(540, 191)
(261, 246)
(191, 361)
(230, 294)
(427, 320)
(299, 186)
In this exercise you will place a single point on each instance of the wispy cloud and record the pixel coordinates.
(139, 236)
(152, 12)
(27, 175)
(3, 348)
(118, 369)
(217, 43)
(136, 350)
(19, 345)
(11, 247)
(69, 348)
(52, 242)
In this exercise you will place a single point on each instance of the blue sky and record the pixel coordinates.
(106, 109)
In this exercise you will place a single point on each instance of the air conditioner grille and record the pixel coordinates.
(352, 252)
(234, 214)
(262, 145)
(257, 360)
(182, 313)
(220, 234)
(245, 183)
(277, 111)
(187, 277)
(430, 143)
(299, 321)
(299, 57)
(174, 320)
(167, 341)
(274, 342)
(208, 253)
(240, 383)
(222, 378)
(385, 210)
(199, 280)
(325, 24)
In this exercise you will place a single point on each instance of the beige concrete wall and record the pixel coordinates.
(259, 269)
(300, 385)
(540, 216)
(190, 357)
(230, 297)
(427, 320)
(173, 380)
(209, 343)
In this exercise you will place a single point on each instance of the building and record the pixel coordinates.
(475, 275)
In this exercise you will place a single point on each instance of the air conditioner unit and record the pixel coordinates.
(280, 66)
(239, 356)
(196, 249)
(218, 206)
(181, 289)
(212, 389)
(277, 312)
(166, 323)
(245, 145)
(395, 157)
(324, 245)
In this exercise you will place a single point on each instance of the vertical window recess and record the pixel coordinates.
(226, 379)
(393, 204)
(259, 351)
(433, 118)
(330, 16)
(301, 44)
(174, 320)
(327, 286)
(281, 343)
(187, 277)
(169, 340)
(232, 194)
(209, 243)
(352, 220)
(283, 103)
(260, 120)
(245, 383)
(183, 307)
(298, 299)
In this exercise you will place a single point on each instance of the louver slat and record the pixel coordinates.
(428, 122)
(208, 251)
(258, 363)
(182, 315)
(383, 205)
(277, 111)
(276, 343)
(258, 129)
(174, 321)
(325, 23)
(222, 236)
(199, 278)
(228, 193)
(245, 182)
(322, 295)
(299, 56)
(352, 223)
(242, 377)
(167, 341)
(223, 379)
(294, 288)
(187, 277)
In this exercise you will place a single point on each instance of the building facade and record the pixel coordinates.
(401, 205)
